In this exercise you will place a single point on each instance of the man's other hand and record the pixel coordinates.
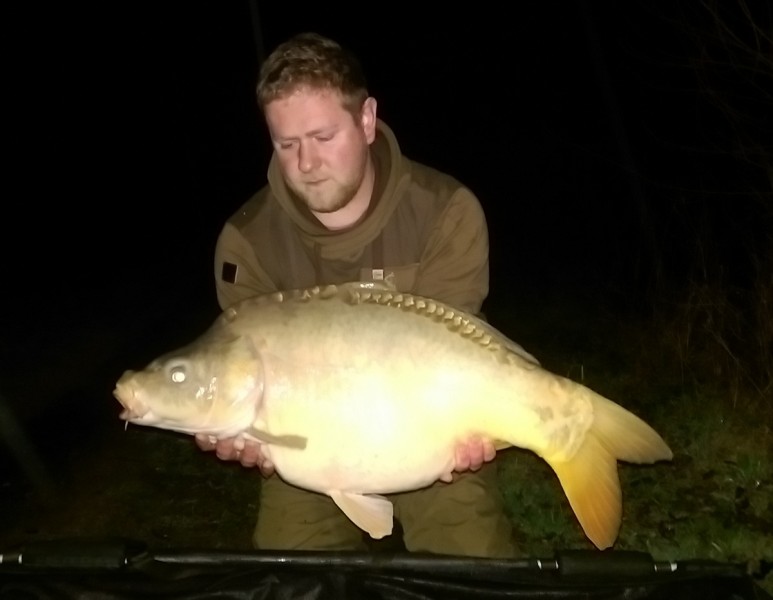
(247, 452)
(470, 455)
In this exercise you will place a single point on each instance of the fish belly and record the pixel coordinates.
(359, 392)
(383, 410)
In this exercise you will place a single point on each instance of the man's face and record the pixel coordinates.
(322, 149)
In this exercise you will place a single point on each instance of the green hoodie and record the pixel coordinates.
(424, 232)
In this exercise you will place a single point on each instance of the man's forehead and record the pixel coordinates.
(306, 110)
(309, 93)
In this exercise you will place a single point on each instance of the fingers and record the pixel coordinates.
(471, 454)
(205, 442)
(247, 452)
(252, 456)
(489, 451)
(462, 457)
(266, 468)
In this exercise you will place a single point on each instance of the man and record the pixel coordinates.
(342, 204)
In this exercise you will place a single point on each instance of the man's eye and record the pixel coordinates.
(325, 138)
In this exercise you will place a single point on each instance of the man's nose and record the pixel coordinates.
(307, 157)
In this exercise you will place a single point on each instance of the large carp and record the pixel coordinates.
(358, 390)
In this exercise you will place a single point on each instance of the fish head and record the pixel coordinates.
(213, 386)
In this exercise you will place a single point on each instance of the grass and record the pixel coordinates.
(715, 499)
(712, 502)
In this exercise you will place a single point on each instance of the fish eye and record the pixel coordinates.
(178, 374)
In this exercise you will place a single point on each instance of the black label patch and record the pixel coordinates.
(228, 274)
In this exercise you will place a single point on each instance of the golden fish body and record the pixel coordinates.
(357, 390)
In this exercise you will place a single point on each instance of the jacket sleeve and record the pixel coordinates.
(454, 266)
(238, 274)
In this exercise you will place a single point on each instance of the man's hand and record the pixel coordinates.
(470, 456)
(247, 452)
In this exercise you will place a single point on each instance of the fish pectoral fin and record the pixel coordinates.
(369, 512)
(592, 486)
(290, 441)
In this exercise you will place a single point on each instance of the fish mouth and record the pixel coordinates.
(128, 414)
(134, 409)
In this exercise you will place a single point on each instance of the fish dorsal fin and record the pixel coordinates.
(290, 441)
(463, 323)
(370, 512)
(383, 293)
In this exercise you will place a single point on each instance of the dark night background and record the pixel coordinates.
(132, 133)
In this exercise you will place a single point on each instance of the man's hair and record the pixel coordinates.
(309, 60)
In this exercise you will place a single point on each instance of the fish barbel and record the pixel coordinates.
(357, 390)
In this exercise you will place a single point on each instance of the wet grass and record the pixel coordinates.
(714, 501)
(143, 484)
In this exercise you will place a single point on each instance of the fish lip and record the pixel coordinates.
(133, 408)
(128, 414)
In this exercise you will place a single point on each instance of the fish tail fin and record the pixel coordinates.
(590, 480)
(625, 435)
(592, 487)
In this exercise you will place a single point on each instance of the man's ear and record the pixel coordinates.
(368, 119)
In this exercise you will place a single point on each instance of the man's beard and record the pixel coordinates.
(335, 195)
(331, 201)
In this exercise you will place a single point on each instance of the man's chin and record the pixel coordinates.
(324, 205)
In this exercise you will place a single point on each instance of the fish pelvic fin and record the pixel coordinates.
(590, 479)
(370, 512)
(289, 441)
